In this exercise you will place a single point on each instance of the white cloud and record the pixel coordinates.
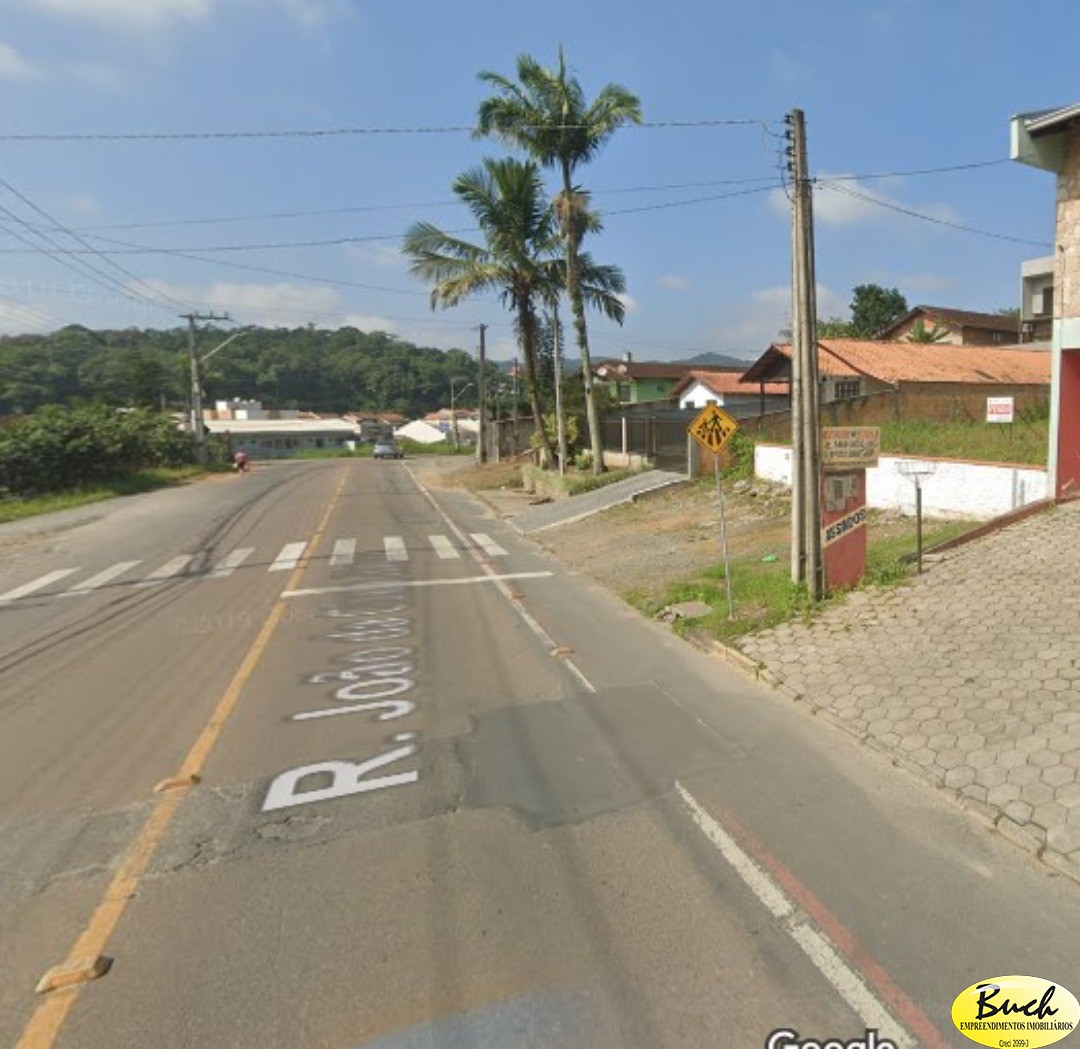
(14, 67)
(382, 255)
(787, 69)
(630, 304)
(840, 200)
(274, 305)
(133, 16)
(314, 14)
(99, 74)
(674, 282)
(750, 326)
(84, 205)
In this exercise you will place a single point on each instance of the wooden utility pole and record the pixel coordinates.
(481, 393)
(197, 427)
(807, 561)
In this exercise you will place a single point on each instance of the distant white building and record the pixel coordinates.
(420, 431)
(267, 433)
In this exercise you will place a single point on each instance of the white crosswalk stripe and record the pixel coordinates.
(38, 584)
(487, 544)
(344, 553)
(443, 547)
(231, 562)
(168, 570)
(99, 580)
(289, 557)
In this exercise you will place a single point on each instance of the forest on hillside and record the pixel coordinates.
(306, 368)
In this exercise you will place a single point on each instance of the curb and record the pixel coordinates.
(1025, 837)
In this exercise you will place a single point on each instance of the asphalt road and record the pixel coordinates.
(430, 790)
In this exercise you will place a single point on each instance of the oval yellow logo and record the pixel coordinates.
(1016, 1012)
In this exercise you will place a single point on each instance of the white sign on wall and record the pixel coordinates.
(1000, 409)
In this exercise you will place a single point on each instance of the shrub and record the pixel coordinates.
(63, 448)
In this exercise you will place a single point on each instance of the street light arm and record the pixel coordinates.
(221, 346)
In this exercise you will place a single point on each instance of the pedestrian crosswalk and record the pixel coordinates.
(343, 553)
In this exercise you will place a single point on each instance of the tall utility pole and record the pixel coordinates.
(560, 415)
(481, 393)
(807, 561)
(197, 427)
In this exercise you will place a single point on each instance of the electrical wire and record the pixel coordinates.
(302, 133)
(154, 296)
(930, 218)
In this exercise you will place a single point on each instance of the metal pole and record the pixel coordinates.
(723, 537)
(481, 393)
(196, 395)
(560, 418)
(918, 524)
(811, 495)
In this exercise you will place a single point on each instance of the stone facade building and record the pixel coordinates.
(1050, 139)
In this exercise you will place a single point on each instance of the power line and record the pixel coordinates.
(86, 266)
(342, 132)
(930, 218)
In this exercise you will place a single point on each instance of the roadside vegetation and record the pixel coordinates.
(57, 458)
(1024, 441)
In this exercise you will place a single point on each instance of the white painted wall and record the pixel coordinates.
(954, 488)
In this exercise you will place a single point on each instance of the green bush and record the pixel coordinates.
(57, 449)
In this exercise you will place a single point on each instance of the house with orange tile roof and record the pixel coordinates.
(955, 327)
(864, 382)
(725, 389)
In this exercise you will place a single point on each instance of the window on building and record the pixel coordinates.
(846, 389)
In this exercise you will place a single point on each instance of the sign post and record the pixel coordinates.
(846, 452)
(712, 429)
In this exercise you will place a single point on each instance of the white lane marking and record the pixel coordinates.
(488, 545)
(231, 562)
(503, 589)
(393, 584)
(289, 557)
(38, 584)
(443, 547)
(815, 945)
(102, 578)
(395, 548)
(344, 553)
(168, 570)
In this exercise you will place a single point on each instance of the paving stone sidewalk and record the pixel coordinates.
(970, 677)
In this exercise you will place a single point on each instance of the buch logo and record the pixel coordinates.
(1016, 1012)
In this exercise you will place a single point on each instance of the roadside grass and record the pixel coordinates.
(15, 509)
(1024, 441)
(763, 594)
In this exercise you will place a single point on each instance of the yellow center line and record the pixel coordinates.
(44, 1026)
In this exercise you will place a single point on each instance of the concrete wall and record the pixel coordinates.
(955, 488)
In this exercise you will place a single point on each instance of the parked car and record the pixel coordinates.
(387, 450)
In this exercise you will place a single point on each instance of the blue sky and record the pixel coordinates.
(888, 87)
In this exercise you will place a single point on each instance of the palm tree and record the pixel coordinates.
(518, 260)
(921, 333)
(545, 113)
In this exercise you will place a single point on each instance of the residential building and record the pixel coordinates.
(853, 368)
(956, 327)
(725, 389)
(1050, 140)
(1037, 300)
(633, 382)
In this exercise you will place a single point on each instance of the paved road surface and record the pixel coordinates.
(447, 795)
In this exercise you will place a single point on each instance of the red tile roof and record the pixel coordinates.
(958, 319)
(895, 362)
(728, 381)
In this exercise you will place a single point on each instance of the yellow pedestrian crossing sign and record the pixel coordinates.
(713, 428)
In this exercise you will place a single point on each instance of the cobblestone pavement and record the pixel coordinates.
(970, 677)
